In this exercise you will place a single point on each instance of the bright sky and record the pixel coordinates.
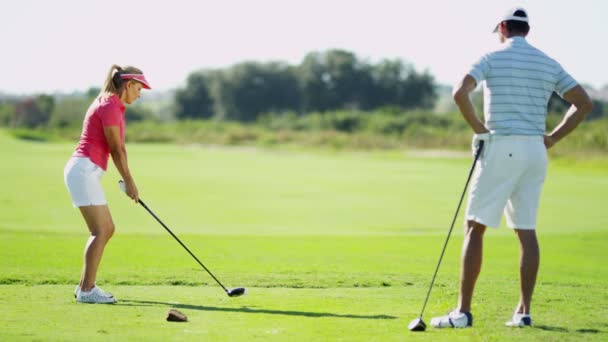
(64, 45)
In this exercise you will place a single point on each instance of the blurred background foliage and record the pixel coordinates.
(332, 98)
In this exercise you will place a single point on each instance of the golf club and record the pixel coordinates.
(418, 324)
(238, 291)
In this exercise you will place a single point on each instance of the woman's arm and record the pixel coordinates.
(118, 152)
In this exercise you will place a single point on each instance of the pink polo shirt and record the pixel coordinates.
(103, 112)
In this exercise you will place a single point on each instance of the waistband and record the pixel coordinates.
(517, 137)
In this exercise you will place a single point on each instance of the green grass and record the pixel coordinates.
(331, 245)
(277, 314)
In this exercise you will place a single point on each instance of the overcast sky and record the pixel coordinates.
(64, 45)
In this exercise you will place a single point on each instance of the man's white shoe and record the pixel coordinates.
(519, 320)
(96, 295)
(454, 319)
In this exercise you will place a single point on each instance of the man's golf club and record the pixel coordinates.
(418, 324)
(238, 291)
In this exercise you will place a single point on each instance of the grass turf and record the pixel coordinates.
(331, 246)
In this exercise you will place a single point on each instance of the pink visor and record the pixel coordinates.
(138, 77)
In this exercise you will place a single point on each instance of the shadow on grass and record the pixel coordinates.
(249, 310)
(564, 330)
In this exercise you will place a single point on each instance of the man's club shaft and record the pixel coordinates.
(181, 243)
(477, 154)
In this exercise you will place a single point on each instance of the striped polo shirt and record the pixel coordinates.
(519, 80)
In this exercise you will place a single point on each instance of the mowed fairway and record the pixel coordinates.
(332, 246)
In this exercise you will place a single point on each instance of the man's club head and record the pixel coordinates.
(237, 292)
(417, 325)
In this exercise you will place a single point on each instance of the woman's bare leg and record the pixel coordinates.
(100, 224)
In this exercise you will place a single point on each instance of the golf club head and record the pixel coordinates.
(417, 325)
(237, 292)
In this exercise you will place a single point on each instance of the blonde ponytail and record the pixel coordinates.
(114, 84)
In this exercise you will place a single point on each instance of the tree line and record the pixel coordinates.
(324, 81)
(330, 81)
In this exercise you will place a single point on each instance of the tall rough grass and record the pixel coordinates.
(385, 129)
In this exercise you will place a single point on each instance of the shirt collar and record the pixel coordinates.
(116, 100)
(516, 40)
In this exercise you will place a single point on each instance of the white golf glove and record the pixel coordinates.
(122, 186)
(475, 142)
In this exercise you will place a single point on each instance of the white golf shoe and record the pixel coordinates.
(519, 320)
(77, 289)
(95, 296)
(454, 319)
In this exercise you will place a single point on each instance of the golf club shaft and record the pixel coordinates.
(181, 243)
(477, 154)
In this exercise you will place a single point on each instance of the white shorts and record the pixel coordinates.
(508, 177)
(83, 179)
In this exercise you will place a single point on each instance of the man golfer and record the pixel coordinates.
(519, 80)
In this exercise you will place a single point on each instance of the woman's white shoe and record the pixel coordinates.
(95, 296)
(77, 289)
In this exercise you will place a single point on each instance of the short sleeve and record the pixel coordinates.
(110, 115)
(564, 82)
(480, 69)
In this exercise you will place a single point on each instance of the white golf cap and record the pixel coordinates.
(510, 15)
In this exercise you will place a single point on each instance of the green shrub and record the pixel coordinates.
(335, 130)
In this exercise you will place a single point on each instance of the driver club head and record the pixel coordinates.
(237, 292)
(417, 325)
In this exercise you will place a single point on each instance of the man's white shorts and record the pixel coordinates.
(508, 177)
(83, 179)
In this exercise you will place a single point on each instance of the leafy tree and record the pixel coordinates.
(33, 112)
(69, 111)
(334, 80)
(387, 76)
(315, 83)
(398, 84)
(557, 105)
(324, 81)
(253, 89)
(348, 78)
(93, 92)
(598, 111)
(417, 91)
(194, 100)
(137, 113)
(7, 112)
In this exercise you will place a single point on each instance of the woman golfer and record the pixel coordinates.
(103, 134)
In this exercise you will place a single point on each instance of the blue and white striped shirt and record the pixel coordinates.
(519, 80)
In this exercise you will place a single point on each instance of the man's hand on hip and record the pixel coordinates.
(549, 142)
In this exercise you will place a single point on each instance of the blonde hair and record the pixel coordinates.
(113, 85)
